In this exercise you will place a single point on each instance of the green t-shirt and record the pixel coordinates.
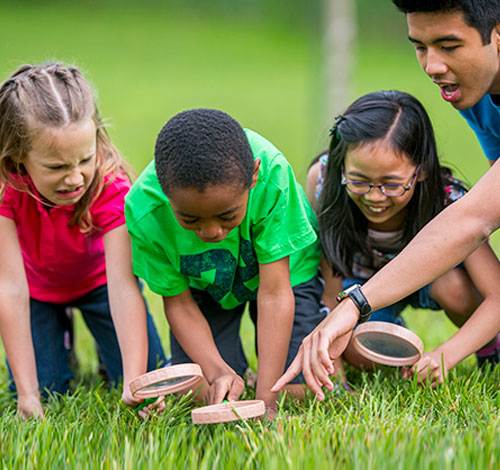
(279, 222)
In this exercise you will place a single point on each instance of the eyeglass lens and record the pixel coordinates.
(389, 189)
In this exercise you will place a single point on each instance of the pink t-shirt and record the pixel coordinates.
(62, 263)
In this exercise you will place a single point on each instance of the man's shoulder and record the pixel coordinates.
(483, 112)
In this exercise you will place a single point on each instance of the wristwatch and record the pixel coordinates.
(359, 299)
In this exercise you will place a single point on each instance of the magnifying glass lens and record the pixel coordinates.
(387, 345)
(167, 383)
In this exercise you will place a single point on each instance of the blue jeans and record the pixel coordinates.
(49, 323)
(392, 314)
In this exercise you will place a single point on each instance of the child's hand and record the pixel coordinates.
(432, 368)
(228, 386)
(29, 407)
(128, 398)
(151, 406)
(271, 411)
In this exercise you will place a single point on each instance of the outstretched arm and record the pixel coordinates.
(275, 315)
(483, 268)
(15, 327)
(442, 244)
(127, 308)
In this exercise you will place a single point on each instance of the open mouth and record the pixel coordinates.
(449, 92)
(70, 193)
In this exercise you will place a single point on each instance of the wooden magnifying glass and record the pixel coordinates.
(167, 380)
(230, 411)
(388, 344)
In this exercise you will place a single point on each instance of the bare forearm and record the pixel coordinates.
(193, 333)
(437, 248)
(15, 331)
(129, 318)
(274, 329)
(127, 306)
(480, 328)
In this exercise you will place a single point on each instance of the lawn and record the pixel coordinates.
(152, 61)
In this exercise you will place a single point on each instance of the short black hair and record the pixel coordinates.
(202, 147)
(482, 15)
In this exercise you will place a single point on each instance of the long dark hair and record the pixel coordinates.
(402, 120)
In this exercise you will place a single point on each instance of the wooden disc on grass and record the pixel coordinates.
(231, 411)
(166, 380)
(387, 343)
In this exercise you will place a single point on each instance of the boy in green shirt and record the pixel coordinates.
(218, 220)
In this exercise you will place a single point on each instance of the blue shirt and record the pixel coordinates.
(484, 119)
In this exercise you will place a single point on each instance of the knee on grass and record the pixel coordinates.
(456, 294)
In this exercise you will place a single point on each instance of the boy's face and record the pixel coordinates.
(213, 213)
(453, 55)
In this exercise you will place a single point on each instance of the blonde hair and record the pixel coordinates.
(51, 95)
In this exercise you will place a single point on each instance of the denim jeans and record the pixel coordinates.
(49, 323)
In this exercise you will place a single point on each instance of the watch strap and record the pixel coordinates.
(356, 295)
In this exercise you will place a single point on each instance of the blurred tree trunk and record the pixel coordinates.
(339, 42)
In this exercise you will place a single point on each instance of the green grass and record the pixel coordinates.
(389, 423)
(150, 62)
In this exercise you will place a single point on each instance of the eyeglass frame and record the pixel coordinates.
(344, 182)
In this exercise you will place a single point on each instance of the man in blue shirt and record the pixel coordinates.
(457, 43)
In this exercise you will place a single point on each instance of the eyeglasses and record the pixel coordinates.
(388, 189)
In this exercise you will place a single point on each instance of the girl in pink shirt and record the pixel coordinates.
(64, 239)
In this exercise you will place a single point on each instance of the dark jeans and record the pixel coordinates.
(49, 324)
(225, 325)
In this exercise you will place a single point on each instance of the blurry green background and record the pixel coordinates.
(261, 61)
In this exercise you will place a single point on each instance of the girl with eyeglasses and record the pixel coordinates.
(377, 186)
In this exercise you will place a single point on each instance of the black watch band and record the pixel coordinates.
(359, 299)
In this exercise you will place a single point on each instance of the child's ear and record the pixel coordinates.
(255, 172)
(497, 36)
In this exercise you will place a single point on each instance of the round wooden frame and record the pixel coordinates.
(389, 329)
(192, 373)
(231, 411)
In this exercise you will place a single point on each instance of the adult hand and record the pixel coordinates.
(228, 386)
(29, 407)
(320, 348)
(431, 368)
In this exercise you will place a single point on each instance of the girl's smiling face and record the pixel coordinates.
(378, 163)
(62, 162)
